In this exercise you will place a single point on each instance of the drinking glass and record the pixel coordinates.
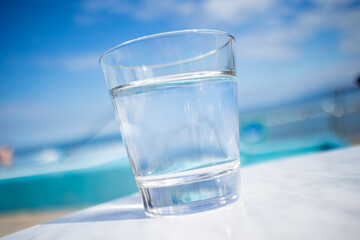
(175, 97)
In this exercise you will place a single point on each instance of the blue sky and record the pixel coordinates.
(51, 87)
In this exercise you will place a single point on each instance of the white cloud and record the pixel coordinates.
(149, 10)
(267, 51)
(282, 39)
(277, 44)
(145, 10)
(332, 3)
(344, 20)
(21, 110)
(275, 29)
(234, 11)
(114, 6)
(272, 90)
(213, 10)
(70, 62)
(79, 62)
(351, 43)
(348, 23)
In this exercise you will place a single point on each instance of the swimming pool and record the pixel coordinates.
(95, 173)
(91, 175)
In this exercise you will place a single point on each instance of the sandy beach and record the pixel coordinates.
(13, 222)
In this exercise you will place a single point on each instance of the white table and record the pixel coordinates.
(313, 196)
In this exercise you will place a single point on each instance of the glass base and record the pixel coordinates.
(185, 198)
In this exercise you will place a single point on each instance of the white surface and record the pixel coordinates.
(308, 197)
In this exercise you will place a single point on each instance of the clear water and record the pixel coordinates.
(181, 134)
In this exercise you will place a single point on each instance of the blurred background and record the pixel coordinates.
(298, 66)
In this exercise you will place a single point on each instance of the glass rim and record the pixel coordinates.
(170, 33)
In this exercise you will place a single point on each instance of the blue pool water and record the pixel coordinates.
(54, 178)
(91, 174)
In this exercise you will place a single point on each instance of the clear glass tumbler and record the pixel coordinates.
(175, 96)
